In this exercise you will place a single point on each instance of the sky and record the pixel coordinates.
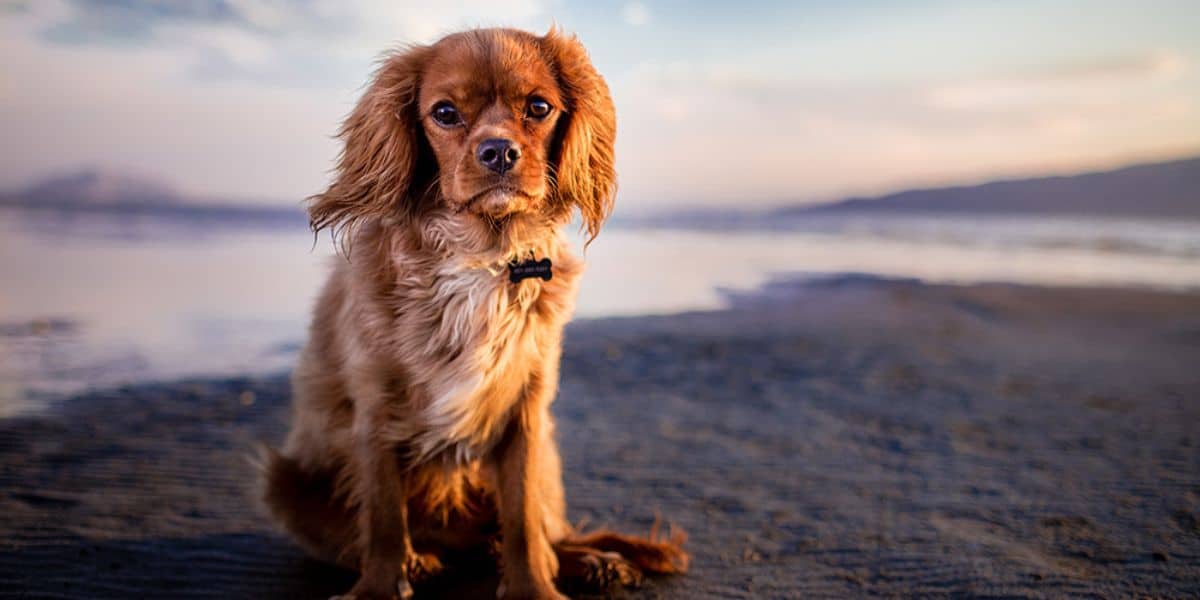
(719, 104)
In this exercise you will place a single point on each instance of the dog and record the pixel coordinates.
(421, 425)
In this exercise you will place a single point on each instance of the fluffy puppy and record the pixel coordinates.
(421, 423)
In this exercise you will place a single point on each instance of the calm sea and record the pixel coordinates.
(95, 301)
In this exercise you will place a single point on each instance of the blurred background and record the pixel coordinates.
(156, 156)
(899, 298)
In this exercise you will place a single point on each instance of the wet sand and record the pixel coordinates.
(842, 438)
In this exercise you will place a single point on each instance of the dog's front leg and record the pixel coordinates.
(385, 549)
(529, 563)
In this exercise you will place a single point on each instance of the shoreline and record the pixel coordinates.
(24, 393)
(845, 437)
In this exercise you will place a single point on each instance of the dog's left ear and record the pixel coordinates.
(586, 174)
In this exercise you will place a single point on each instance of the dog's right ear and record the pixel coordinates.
(382, 140)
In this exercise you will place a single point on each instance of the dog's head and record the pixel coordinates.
(492, 124)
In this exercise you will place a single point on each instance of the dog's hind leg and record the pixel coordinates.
(304, 502)
(582, 569)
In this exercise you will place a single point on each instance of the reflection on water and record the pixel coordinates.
(99, 301)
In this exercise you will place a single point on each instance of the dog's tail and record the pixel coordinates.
(305, 503)
(658, 553)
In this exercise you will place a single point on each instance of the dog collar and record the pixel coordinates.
(530, 267)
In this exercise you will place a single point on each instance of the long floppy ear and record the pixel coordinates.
(584, 163)
(377, 168)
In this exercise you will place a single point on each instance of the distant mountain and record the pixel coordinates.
(95, 188)
(1159, 190)
(110, 192)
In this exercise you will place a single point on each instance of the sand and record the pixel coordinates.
(841, 438)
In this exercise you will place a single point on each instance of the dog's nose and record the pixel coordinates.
(498, 155)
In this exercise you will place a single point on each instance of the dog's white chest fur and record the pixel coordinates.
(487, 337)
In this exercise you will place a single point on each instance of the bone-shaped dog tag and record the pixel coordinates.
(518, 271)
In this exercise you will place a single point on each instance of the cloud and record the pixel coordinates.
(1061, 83)
(773, 136)
(684, 91)
(1158, 64)
(635, 13)
(239, 98)
(317, 42)
(96, 21)
(232, 98)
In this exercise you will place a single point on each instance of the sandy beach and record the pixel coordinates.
(839, 438)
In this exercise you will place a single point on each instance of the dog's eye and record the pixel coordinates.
(537, 108)
(446, 115)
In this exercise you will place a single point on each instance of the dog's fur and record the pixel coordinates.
(421, 419)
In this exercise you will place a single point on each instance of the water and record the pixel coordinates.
(102, 300)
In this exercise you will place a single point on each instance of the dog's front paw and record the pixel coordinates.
(422, 567)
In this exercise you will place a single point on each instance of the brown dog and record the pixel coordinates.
(421, 422)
